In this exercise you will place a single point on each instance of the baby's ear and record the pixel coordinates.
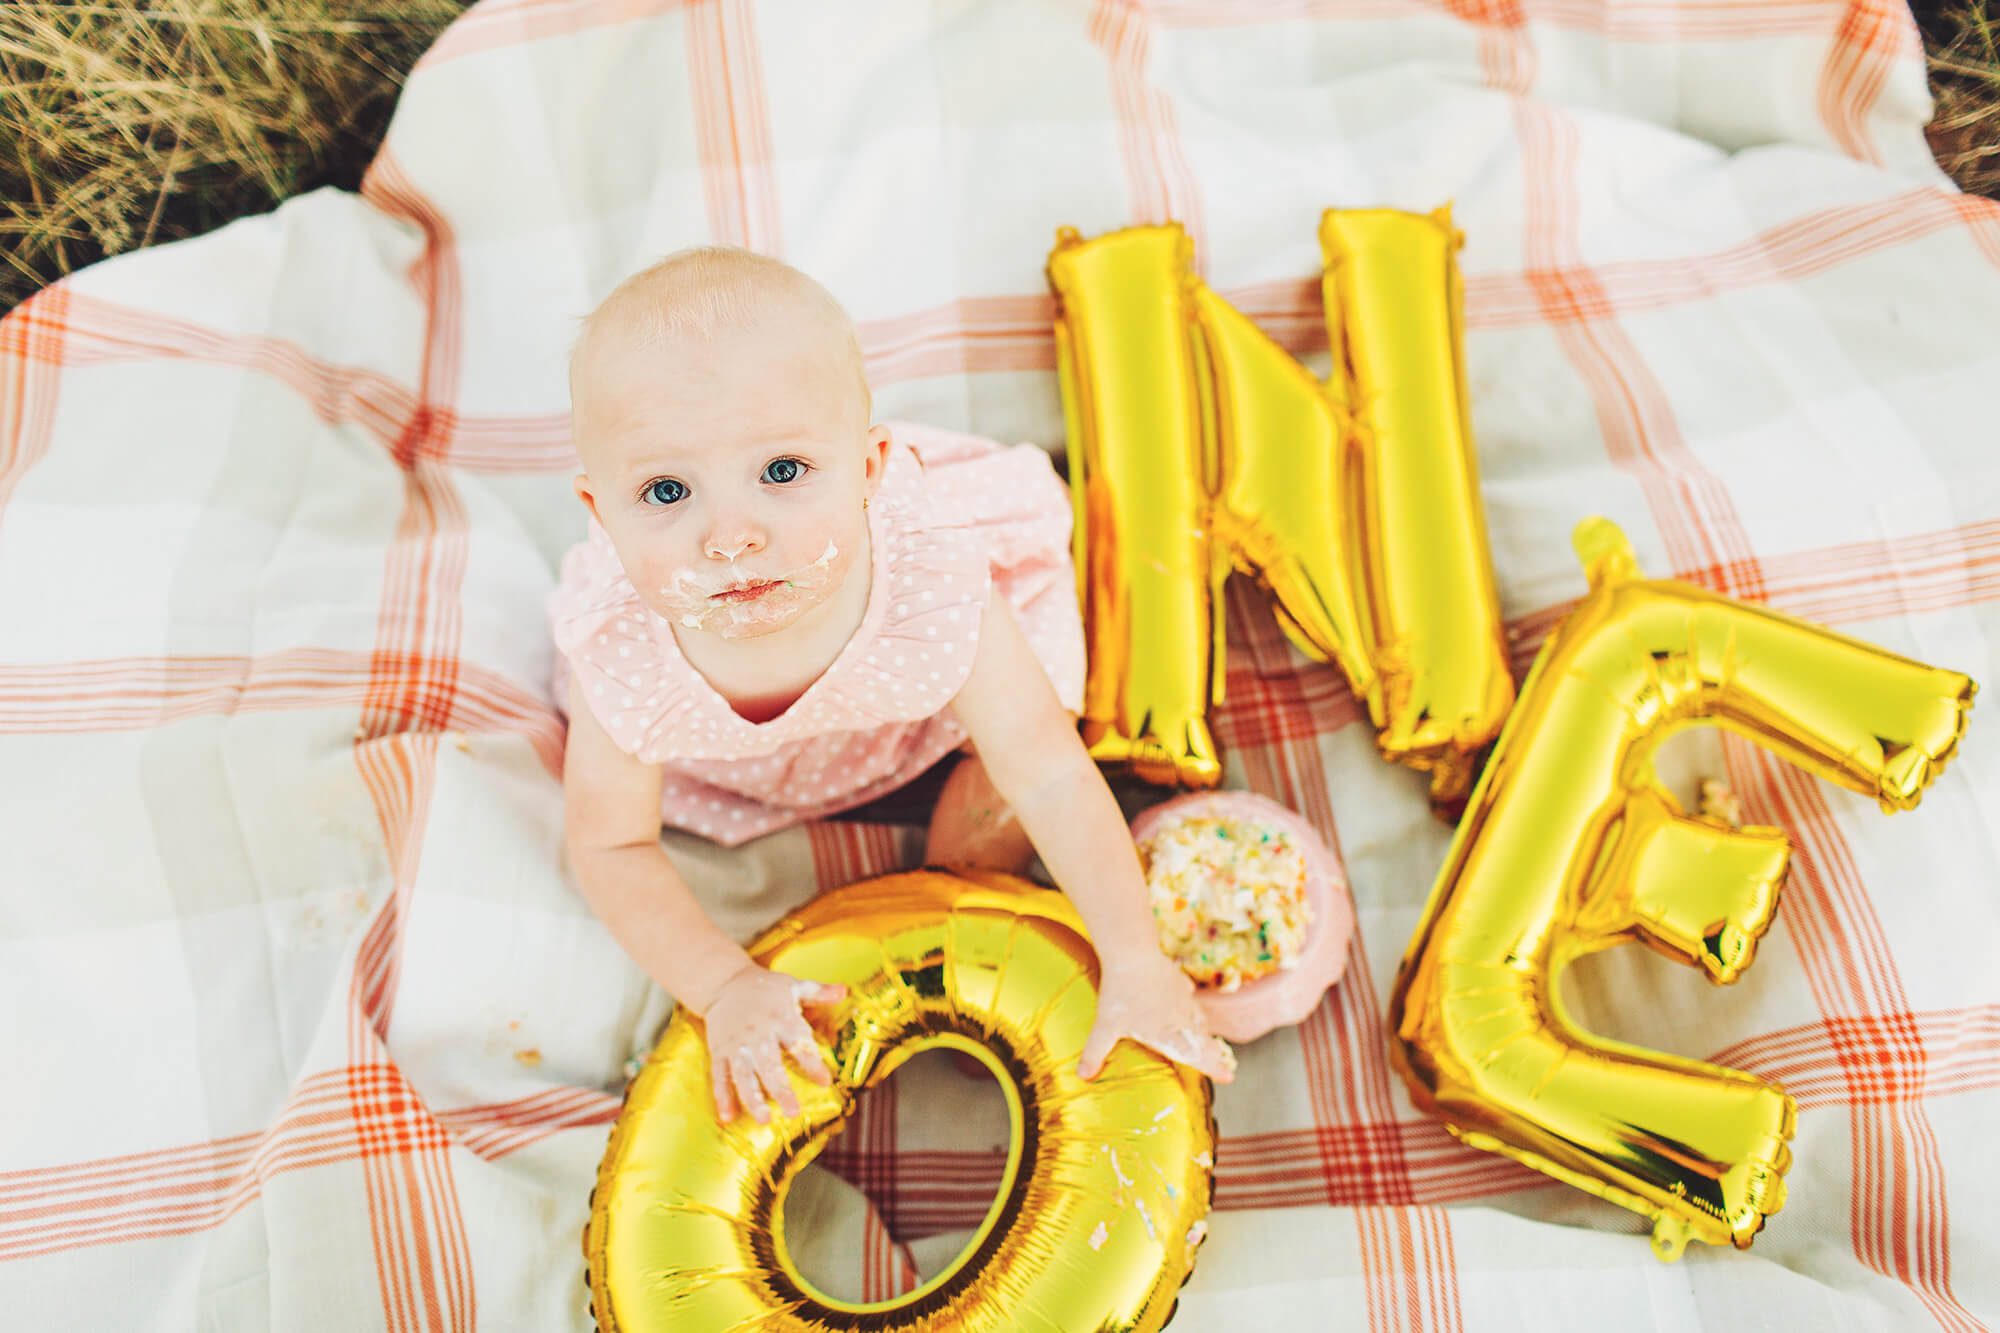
(580, 483)
(877, 455)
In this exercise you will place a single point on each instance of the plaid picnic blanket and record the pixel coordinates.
(307, 1027)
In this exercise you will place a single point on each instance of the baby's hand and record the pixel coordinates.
(752, 1021)
(1152, 1001)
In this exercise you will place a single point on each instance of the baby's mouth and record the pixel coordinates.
(746, 592)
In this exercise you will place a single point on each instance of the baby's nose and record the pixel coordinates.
(733, 540)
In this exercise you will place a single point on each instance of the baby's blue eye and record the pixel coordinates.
(660, 493)
(787, 469)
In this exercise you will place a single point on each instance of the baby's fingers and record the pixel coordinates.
(819, 992)
(812, 1062)
(743, 1077)
(1198, 1050)
(1217, 1059)
(1097, 1048)
(771, 1069)
(726, 1108)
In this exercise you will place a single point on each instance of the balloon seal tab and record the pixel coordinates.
(1606, 554)
(1670, 1238)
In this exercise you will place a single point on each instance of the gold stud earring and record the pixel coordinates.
(864, 502)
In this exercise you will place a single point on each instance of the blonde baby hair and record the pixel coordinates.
(701, 291)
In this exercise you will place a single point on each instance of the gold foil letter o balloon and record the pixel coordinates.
(1106, 1188)
(1569, 845)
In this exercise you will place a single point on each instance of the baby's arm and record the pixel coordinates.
(1029, 745)
(611, 828)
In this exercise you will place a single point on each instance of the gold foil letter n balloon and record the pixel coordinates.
(1569, 845)
(1104, 1195)
(1198, 445)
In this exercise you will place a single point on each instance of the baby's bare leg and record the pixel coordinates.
(973, 825)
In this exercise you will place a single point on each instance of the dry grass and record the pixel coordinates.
(124, 124)
(1963, 42)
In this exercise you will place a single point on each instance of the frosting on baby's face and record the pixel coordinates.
(729, 471)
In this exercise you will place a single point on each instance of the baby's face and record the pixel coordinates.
(729, 474)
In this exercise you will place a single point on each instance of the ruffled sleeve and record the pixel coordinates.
(936, 580)
(1007, 503)
(1007, 499)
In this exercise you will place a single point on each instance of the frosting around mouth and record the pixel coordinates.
(696, 602)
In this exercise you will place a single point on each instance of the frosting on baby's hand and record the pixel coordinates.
(1156, 1007)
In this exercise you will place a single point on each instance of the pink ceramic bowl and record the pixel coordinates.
(1289, 994)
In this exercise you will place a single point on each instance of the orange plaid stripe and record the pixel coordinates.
(422, 1260)
(1870, 1050)
(389, 1117)
(32, 338)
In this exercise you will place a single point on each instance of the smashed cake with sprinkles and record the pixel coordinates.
(1228, 895)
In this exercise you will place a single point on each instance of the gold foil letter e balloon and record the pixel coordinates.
(1198, 445)
(1569, 845)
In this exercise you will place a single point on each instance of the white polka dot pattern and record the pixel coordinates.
(956, 516)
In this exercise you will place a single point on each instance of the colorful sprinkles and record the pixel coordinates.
(1229, 897)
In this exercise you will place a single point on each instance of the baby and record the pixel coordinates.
(783, 610)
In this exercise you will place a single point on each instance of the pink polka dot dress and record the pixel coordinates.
(955, 516)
